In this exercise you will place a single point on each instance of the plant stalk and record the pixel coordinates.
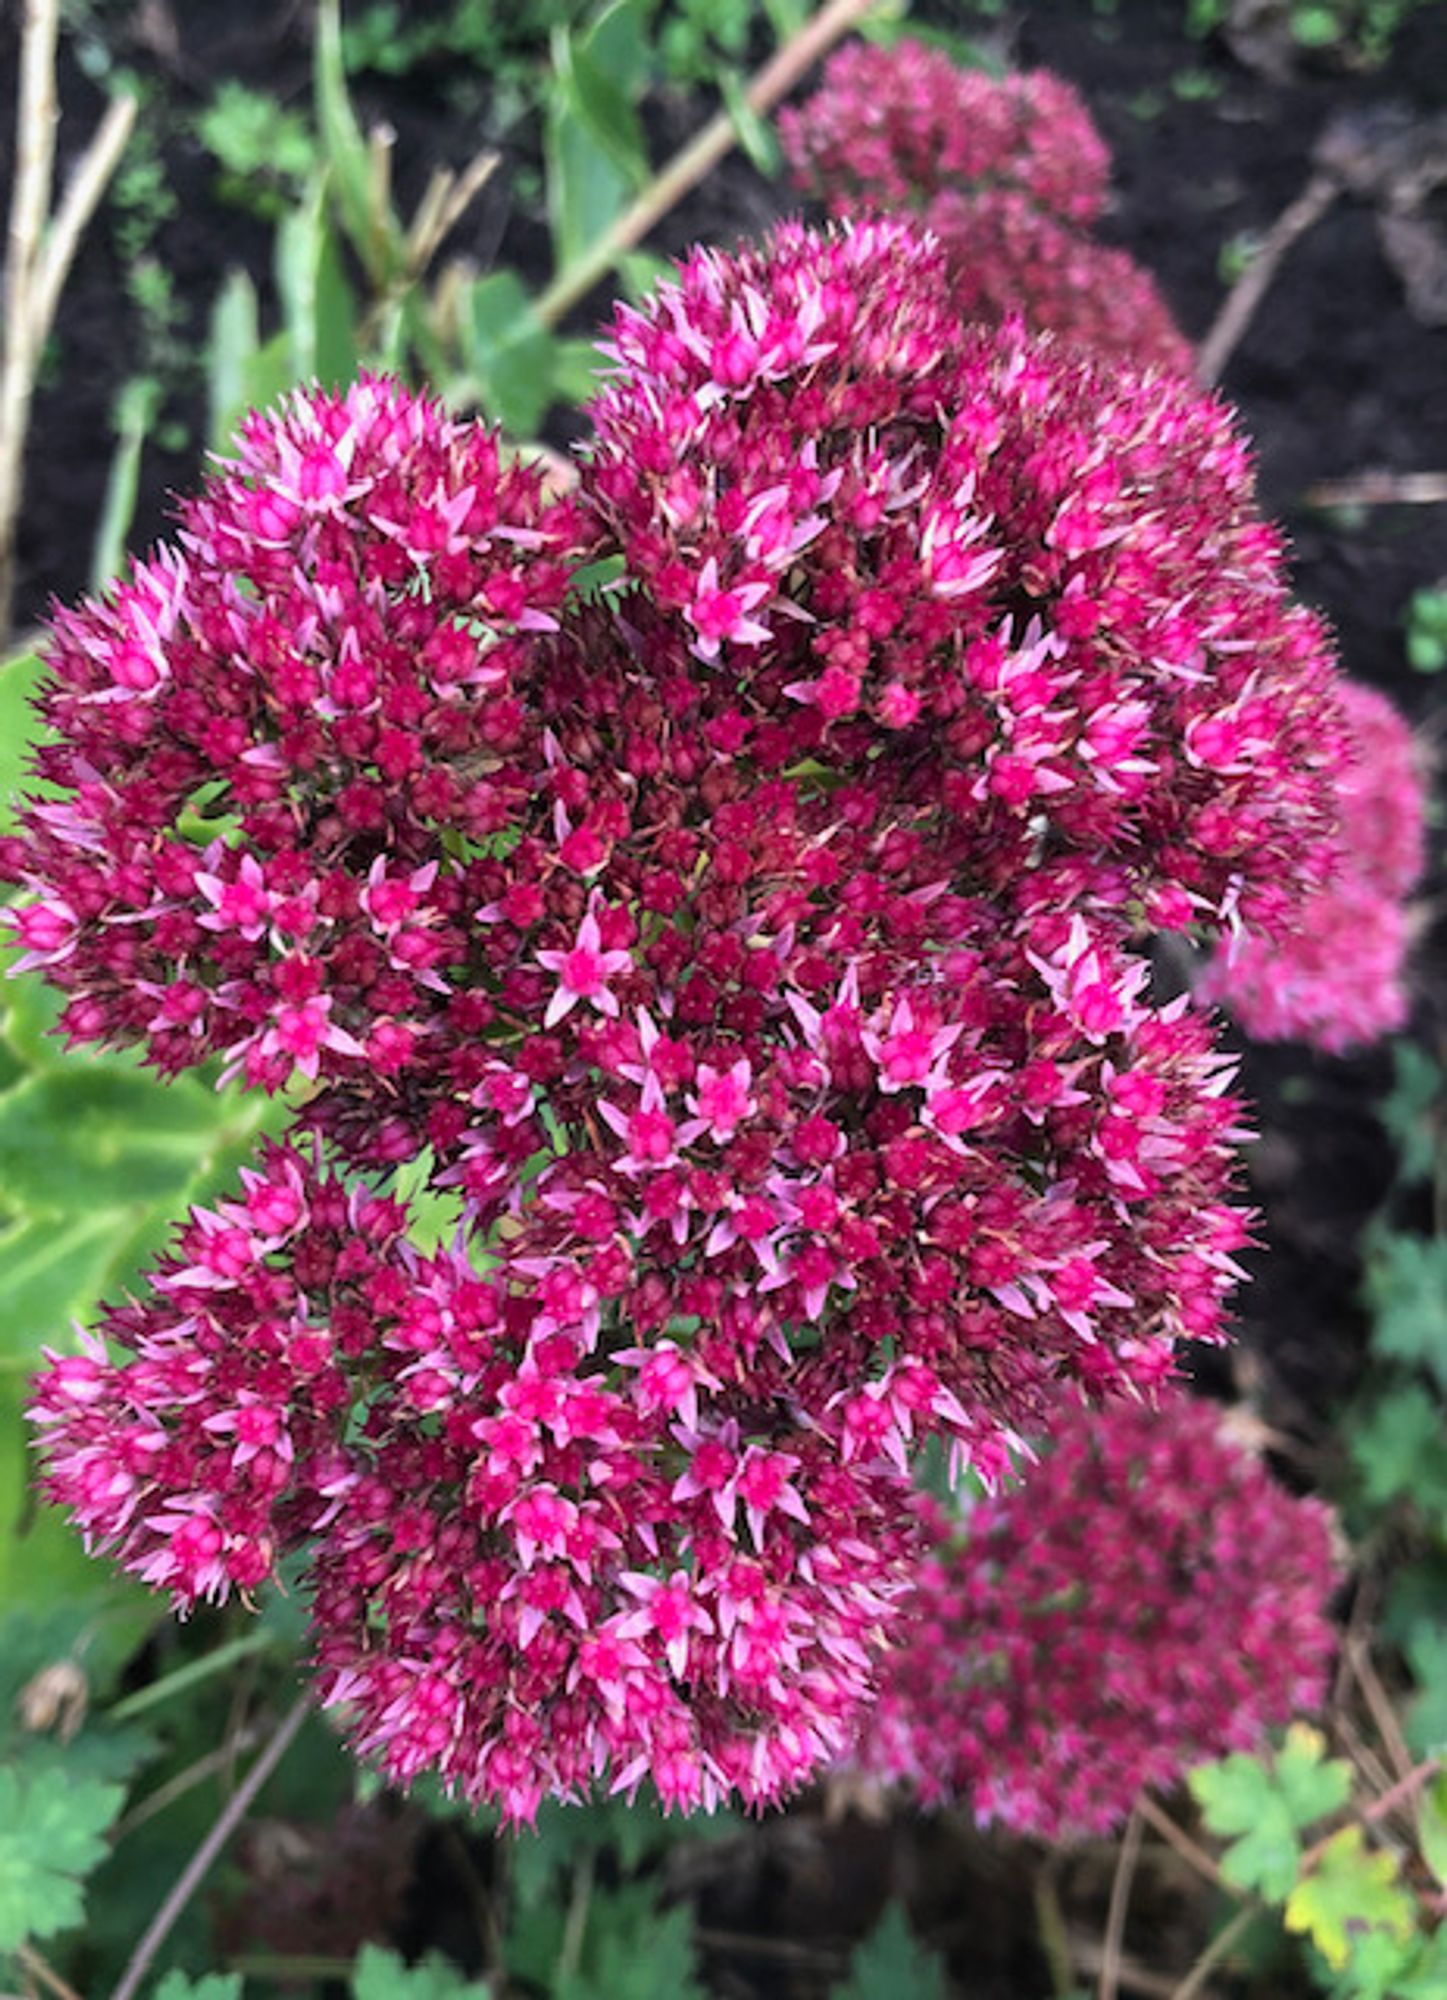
(199, 1866)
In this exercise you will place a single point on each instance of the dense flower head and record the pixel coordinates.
(1147, 1598)
(896, 126)
(753, 951)
(536, 1561)
(1337, 979)
(265, 733)
(1008, 258)
(1008, 173)
(1039, 583)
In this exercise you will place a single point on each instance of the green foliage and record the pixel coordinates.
(1262, 1804)
(51, 1837)
(1412, 1111)
(1406, 1289)
(891, 1962)
(593, 142)
(265, 150)
(382, 1975)
(1350, 1892)
(1399, 1449)
(214, 1986)
(1427, 630)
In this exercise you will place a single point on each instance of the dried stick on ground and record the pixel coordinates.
(1255, 281)
(39, 253)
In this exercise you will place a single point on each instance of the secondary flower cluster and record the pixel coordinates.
(1146, 1599)
(1338, 980)
(1009, 173)
(756, 949)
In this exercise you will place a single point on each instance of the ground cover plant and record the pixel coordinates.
(615, 1047)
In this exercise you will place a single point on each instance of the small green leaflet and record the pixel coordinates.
(382, 1975)
(892, 1962)
(212, 1986)
(51, 1836)
(1267, 1803)
(1406, 1291)
(1351, 1891)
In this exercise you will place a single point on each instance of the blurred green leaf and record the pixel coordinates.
(213, 1986)
(233, 341)
(51, 1837)
(1399, 1449)
(756, 136)
(375, 235)
(593, 142)
(1266, 1803)
(1426, 1719)
(510, 353)
(51, 1269)
(1432, 1827)
(20, 729)
(137, 407)
(107, 1138)
(1352, 1890)
(1412, 1111)
(892, 1962)
(1406, 1293)
(382, 1975)
(317, 302)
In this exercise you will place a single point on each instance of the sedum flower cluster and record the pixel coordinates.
(1149, 1598)
(731, 885)
(1010, 174)
(1338, 979)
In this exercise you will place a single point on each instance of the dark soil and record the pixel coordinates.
(1334, 376)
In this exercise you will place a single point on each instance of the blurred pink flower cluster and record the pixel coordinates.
(1146, 1599)
(1338, 979)
(1010, 174)
(754, 948)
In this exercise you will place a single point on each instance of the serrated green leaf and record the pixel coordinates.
(633, 1951)
(51, 1837)
(1411, 1110)
(1351, 1889)
(88, 1136)
(892, 1962)
(211, 1986)
(1399, 1448)
(1406, 1292)
(1266, 1804)
(382, 1975)
(510, 352)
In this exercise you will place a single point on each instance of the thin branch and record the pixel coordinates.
(78, 204)
(1175, 1837)
(688, 167)
(1120, 1888)
(1252, 286)
(1195, 1980)
(41, 1969)
(199, 1866)
(1380, 489)
(29, 201)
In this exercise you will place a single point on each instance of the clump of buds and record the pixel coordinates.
(1337, 979)
(755, 951)
(1009, 173)
(1147, 1598)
